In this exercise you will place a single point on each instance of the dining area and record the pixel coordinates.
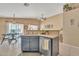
(10, 42)
(9, 37)
(9, 47)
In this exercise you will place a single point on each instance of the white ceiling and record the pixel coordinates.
(34, 10)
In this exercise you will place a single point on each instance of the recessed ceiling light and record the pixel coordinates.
(26, 4)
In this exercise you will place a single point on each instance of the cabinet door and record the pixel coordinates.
(40, 44)
(25, 44)
(34, 44)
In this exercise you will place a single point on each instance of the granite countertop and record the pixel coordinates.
(48, 36)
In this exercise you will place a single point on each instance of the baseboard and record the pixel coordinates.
(69, 50)
(30, 51)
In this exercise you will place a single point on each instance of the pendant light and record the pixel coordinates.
(43, 17)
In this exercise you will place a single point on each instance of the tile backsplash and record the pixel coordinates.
(43, 32)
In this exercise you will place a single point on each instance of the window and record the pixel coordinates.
(32, 27)
(15, 28)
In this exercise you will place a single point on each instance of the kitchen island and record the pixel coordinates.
(46, 45)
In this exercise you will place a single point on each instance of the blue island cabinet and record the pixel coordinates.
(25, 43)
(44, 45)
(29, 43)
(34, 42)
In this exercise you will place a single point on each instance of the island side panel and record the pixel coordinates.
(55, 46)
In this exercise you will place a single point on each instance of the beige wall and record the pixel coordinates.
(55, 20)
(25, 21)
(70, 45)
(2, 27)
(71, 32)
(74, 5)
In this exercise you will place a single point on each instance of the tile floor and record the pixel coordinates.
(9, 50)
(6, 50)
(30, 54)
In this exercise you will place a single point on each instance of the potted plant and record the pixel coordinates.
(47, 32)
(67, 7)
(43, 32)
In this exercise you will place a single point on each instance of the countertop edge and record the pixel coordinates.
(48, 36)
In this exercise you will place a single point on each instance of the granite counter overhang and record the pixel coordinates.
(47, 36)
